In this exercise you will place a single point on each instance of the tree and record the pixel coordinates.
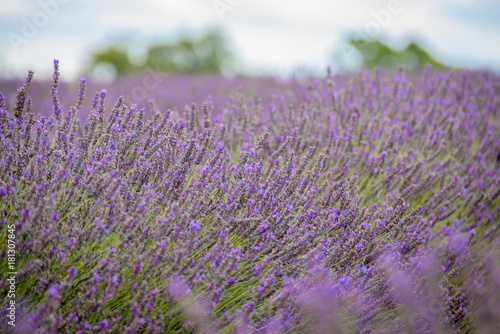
(375, 53)
(206, 54)
(116, 57)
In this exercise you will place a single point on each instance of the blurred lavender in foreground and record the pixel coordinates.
(369, 206)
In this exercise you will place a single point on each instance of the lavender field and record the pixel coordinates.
(359, 204)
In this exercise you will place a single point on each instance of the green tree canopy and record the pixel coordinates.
(207, 54)
(116, 57)
(376, 53)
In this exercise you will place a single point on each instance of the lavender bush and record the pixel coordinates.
(367, 206)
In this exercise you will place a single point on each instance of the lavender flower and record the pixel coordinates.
(359, 208)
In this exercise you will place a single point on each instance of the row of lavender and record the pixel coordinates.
(369, 206)
(168, 91)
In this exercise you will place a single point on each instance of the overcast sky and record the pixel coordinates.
(269, 36)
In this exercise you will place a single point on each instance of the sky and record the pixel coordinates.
(274, 37)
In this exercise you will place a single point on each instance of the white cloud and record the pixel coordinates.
(16, 7)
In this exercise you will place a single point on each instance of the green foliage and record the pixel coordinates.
(376, 53)
(206, 54)
(116, 57)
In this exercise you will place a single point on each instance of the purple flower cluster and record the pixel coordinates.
(368, 205)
